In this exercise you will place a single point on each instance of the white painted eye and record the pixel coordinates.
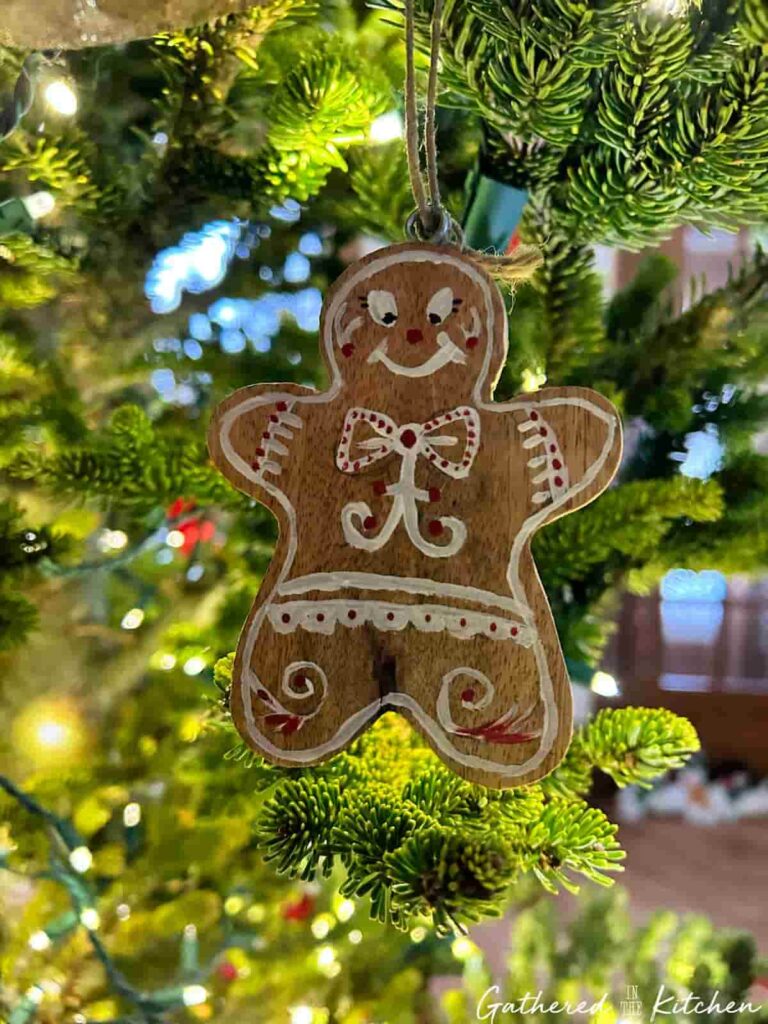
(382, 307)
(440, 306)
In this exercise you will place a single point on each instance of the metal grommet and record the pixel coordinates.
(444, 232)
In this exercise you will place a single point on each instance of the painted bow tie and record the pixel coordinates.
(451, 452)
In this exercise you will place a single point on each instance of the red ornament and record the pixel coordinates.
(227, 971)
(298, 910)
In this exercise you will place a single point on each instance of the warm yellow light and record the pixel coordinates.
(81, 859)
(90, 919)
(533, 380)
(49, 732)
(131, 814)
(194, 995)
(355, 936)
(320, 926)
(175, 539)
(604, 684)
(133, 618)
(386, 128)
(193, 666)
(462, 947)
(325, 956)
(301, 1015)
(39, 941)
(61, 97)
(418, 934)
(345, 910)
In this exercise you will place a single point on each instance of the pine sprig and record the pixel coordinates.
(418, 841)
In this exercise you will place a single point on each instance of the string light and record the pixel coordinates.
(81, 859)
(49, 731)
(321, 926)
(39, 941)
(131, 815)
(463, 948)
(193, 666)
(89, 918)
(386, 128)
(61, 97)
(355, 936)
(133, 618)
(175, 539)
(302, 1015)
(418, 934)
(604, 685)
(533, 380)
(345, 910)
(194, 995)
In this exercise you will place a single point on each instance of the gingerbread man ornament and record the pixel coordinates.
(407, 499)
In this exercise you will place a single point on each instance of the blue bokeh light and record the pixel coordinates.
(197, 264)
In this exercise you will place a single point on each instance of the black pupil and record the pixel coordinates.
(389, 318)
(435, 318)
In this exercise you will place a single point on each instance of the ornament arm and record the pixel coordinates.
(256, 438)
(572, 437)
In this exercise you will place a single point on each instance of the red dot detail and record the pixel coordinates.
(369, 522)
(534, 415)
(408, 438)
(260, 451)
(347, 350)
(558, 481)
(493, 627)
(389, 430)
(255, 464)
(273, 418)
(345, 465)
(390, 616)
(427, 618)
(379, 487)
(472, 342)
(351, 614)
(557, 464)
(468, 695)
(513, 631)
(282, 406)
(435, 527)
(434, 494)
(462, 622)
(266, 435)
(355, 415)
(444, 463)
(285, 617)
(543, 431)
(355, 465)
(432, 456)
(553, 447)
(320, 617)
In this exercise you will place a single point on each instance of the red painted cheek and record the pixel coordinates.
(347, 350)
(413, 334)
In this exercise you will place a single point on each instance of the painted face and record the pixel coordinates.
(414, 315)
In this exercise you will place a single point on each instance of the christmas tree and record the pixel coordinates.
(172, 211)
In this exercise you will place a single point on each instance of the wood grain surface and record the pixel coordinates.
(406, 500)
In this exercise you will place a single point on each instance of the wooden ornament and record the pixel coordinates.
(407, 499)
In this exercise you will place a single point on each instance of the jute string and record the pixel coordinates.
(430, 221)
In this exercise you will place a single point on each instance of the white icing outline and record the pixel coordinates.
(446, 352)
(356, 721)
(322, 616)
(405, 494)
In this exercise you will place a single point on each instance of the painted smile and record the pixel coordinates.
(446, 352)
